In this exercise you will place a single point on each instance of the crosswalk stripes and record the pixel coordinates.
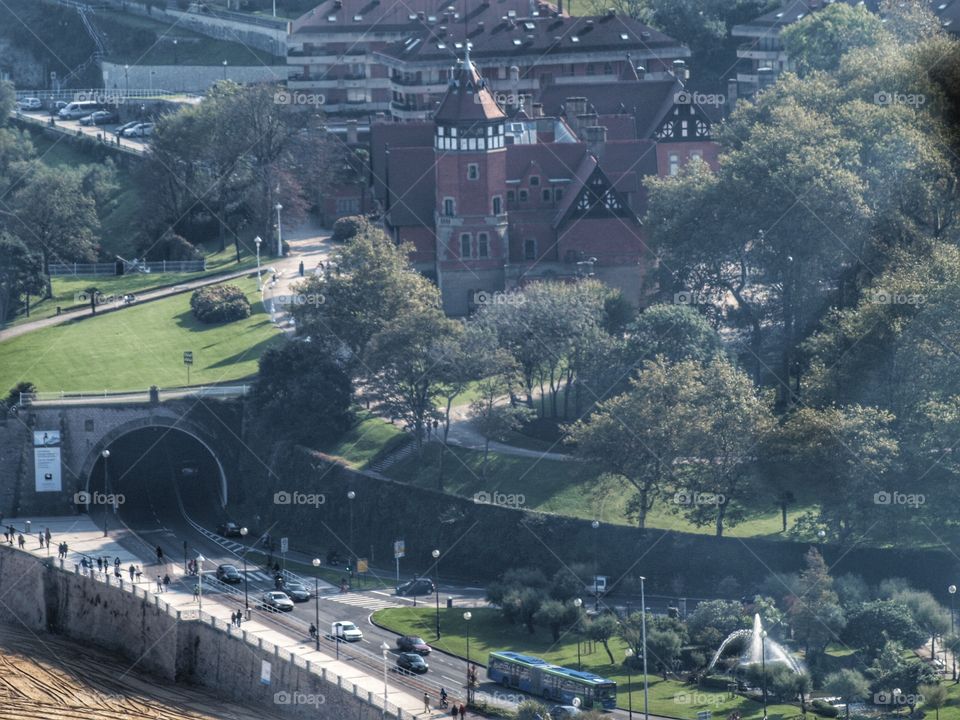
(360, 600)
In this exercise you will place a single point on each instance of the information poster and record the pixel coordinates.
(46, 461)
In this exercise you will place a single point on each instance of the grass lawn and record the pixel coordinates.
(488, 631)
(368, 440)
(139, 347)
(562, 487)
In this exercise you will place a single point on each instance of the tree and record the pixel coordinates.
(374, 284)
(56, 216)
(8, 99)
(21, 275)
(676, 332)
(302, 393)
(893, 616)
(814, 610)
(556, 615)
(713, 620)
(402, 366)
(849, 684)
(515, 579)
(934, 696)
(817, 41)
(601, 629)
(892, 670)
(928, 614)
(531, 710)
(492, 418)
(521, 606)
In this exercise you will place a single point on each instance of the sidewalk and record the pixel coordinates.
(84, 539)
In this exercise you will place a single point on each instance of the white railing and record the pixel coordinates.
(110, 268)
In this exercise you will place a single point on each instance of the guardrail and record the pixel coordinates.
(203, 391)
(74, 94)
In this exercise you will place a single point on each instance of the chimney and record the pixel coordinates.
(595, 137)
(641, 72)
(537, 110)
(680, 70)
(351, 132)
(584, 122)
(575, 106)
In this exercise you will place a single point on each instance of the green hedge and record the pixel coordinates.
(824, 709)
(219, 303)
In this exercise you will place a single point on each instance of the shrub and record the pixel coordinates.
(824, 709)
(219, 303)
(346, 227)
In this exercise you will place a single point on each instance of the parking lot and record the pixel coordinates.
(73, 127)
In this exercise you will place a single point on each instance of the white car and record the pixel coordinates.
(141, 130)
(30, 103)
(346, 630)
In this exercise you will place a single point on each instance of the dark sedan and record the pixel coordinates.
(414, 644)
(420, 586)
(412, 662)
(229, 574)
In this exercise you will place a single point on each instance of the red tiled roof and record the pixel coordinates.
(619, 127)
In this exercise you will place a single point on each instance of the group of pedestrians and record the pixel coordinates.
(237, 618)
(62, 549)
(455, 710)
(163, 583)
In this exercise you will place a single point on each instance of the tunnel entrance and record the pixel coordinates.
(156, 474)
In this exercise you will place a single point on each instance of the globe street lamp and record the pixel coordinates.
(596, 590)
(468, 616)
(278, 207)
(224, 69)
(384, 648)
(105, 454)
(257, 241)
(246, 592)
(953, 638)
(578, 603)
(763, 669)
(351, 496)
(628, 656)
(316, 600)
(643, 625)
(436, 585)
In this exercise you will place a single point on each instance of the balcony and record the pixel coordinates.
(750, 51)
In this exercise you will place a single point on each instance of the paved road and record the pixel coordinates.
(73, 127)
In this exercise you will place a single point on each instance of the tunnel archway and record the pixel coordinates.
(155, 452)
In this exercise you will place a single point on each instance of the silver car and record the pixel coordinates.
(276, 601)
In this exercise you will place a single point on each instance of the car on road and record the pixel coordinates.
(139, 130)
(127, 126)
(100, 117)
(296, 590)
(276, 601)
(420, 586)
(30, 103)
(414, 644)
(346, 630)
(228, 529)
(562, 712)
(229, 574)
(412, 662)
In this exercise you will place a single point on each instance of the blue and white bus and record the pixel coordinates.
(538, 677)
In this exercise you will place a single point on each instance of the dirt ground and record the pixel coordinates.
(45, 677)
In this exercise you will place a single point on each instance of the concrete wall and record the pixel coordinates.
(186, 78)
(172, 648)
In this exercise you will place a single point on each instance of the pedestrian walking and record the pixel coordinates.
(196, 592)
(132, 571)
(301, 268)
(47, 536)
(159, 554)
(99, 564)
(116, 563)
(239, 618)
(159, 584)
(20, 541)
(40, 537)
(426, 703)
(139, 574)
(463, 711)
(116, 573)
(166, 582)
(66, 549)
(454, 711)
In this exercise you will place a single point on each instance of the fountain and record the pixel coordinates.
(753, 653)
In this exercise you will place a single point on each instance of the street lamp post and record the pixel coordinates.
(256, 241)
(200, 559)
(278, 207)
(105, 454)
(316, 601)
(351, 496)
(628, 656)
(246, 593)
(436, 585)
(224, 69)
(578, 603)
(953, 638)
(763, 669)
(468, 616)
(596, 589)
(126, 78)
(643, 626)
(384, 648)
(176, 58)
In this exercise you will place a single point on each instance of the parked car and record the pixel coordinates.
(276, 601)
(412, 662)
(562, 712)
(228, 574)
(420, 586)
(30, 103)
(346, 630)
(139, 130)
(228, 529)
(100, 117)
(412, 643)
(296, 590)
(127, 126)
